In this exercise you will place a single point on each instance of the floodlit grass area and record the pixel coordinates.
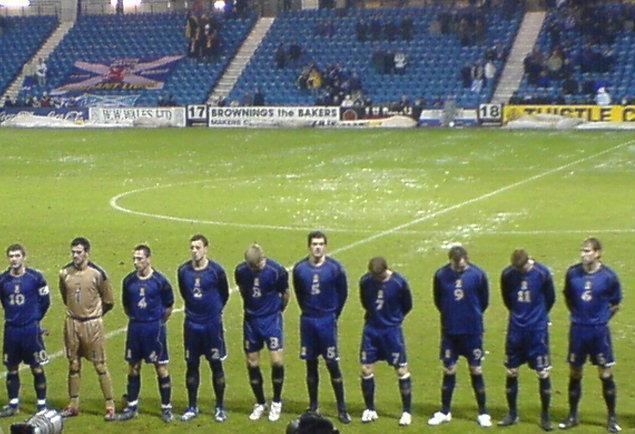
(406, 195)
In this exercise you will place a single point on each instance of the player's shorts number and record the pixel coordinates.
(395, 358)
(215, 354)
(330, 353)
(274, 343)
(41, 357)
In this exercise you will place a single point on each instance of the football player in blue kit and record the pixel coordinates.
(205, 290)
(147, 299)
(320, 286)
(461, 294)
(528, 293)
(386, 299)
(593, 294)
(264, 287)
(25, 298)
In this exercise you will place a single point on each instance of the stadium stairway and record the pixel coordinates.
(45, 50)
(514, 68)
(238, 63)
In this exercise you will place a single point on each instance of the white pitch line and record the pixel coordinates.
(114, 203)
(521, 232)
(477, 199)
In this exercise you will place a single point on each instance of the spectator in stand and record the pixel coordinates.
(203, 23)
(543, 79)
(46, 102)
(489, 72)
(8, 102)
(191, 33)
(281, 56)
(40, 72)
(378, 61)
(247, 99)
(375, 27)
(198, 7)
(361, 30)
(242, 8)
(303, 78)
(347, 102)
(417, 108)
(295, 51)
(407, 25)
(533, 65)
(554, 63)
(211, 42)
(477, 78)
(400, 62)
(403, 105)
(479, 30)
(259, 98)
(570, 86)
(603, 98)
(355, 83)
(389, 62)
(390, 30)
(491, 53)
(315, 78)
(435, 27)
(466, 75)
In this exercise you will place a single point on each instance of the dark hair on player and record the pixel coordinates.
(316, 234)
(16, 247)
(456, 253)
(200, 237)
(519, 258)
(145, 248)
(377, 265)
(81, 241)
(593, 242)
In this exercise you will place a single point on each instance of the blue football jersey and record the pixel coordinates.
(320, 290)
(146, 299)
(262, 290)
(204, 291)
(589, 296)
(529, 296)
(25, 298)
(461, 298)
(386, 303)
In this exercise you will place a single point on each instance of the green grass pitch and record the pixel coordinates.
(403, 194)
